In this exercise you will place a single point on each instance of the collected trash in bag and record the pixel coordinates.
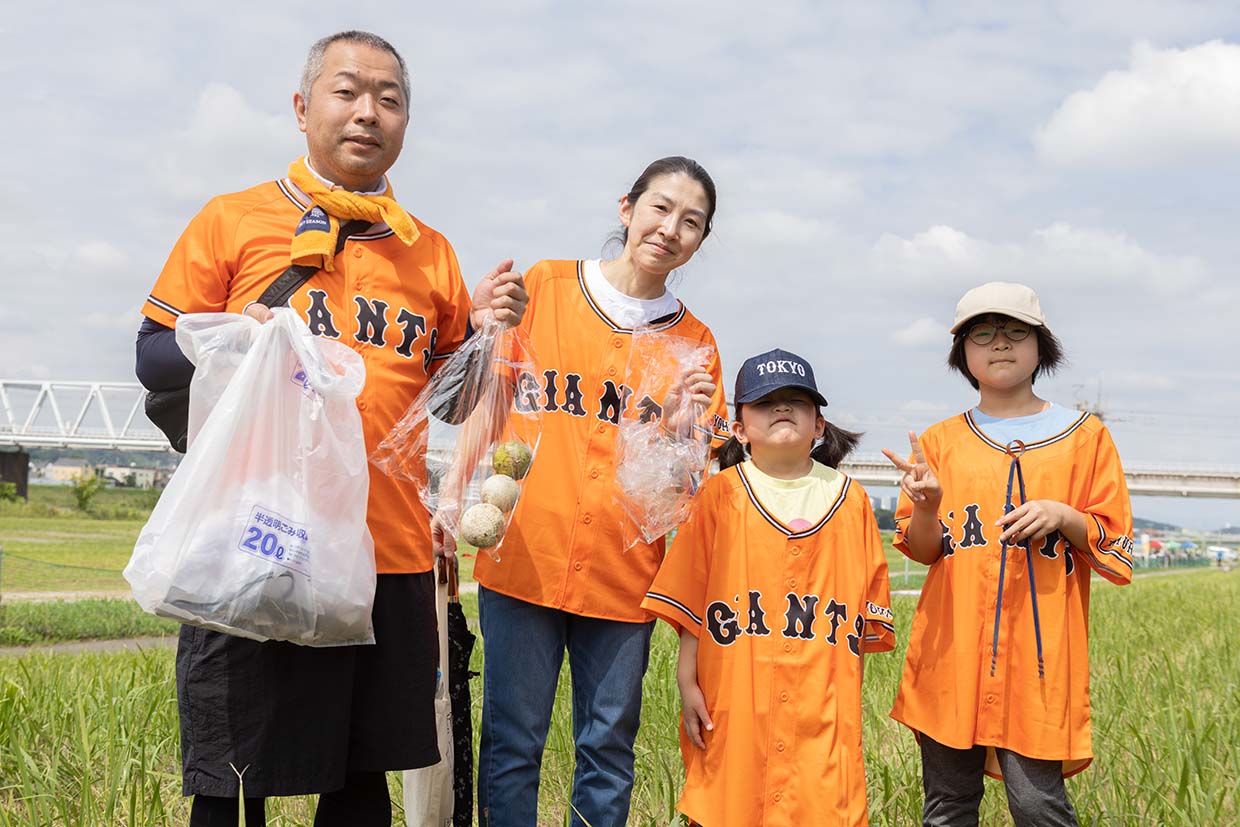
(662, 442)
(469, 438)
(261, 532)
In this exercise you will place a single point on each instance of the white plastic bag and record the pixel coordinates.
(662, 443)
(262, 530)
(469, 438)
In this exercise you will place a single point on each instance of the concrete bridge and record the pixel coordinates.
(109, 415)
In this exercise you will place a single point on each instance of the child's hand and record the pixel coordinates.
(1037, 518)
(919, 483)
(693, 707)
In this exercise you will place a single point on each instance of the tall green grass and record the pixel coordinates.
(53, 622)
(92, 739)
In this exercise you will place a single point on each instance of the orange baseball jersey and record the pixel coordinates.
(403, 309)
(564, 547)
(783, 619)
(948, 691)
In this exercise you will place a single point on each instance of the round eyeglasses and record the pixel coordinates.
(985, 332)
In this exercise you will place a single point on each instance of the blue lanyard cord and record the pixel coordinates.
(1015, 474)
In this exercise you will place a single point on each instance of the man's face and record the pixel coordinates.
(355, 117)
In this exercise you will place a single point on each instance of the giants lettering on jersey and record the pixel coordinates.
(801, 613)
(551, 395)
(972, 534)
(372, 326)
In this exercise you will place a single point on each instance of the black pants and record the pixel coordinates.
(299, 720)
(363, 802)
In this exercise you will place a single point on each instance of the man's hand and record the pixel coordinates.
(258, 312)
(501, 294)
(442, 542)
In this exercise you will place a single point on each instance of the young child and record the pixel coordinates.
(1004, 503)
(778, 586)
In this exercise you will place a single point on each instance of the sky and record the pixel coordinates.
(873, 162)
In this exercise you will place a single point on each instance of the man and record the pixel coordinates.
(299, 720)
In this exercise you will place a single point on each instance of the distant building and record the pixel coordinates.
(67, 469)
(131, 476)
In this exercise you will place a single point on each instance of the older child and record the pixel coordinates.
(1004, 503)
(778, 587)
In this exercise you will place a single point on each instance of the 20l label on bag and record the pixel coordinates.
(270, 536)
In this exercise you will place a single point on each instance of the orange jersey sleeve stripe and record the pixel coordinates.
(403, 309)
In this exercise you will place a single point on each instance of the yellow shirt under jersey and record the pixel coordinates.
(802, 501)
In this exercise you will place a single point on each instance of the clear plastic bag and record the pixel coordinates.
(469, 438)
(261, 532)
(662, 444)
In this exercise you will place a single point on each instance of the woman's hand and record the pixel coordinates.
(501, 294)
(688, 398)
(919, 483)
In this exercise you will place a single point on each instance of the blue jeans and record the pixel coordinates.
(523, 648)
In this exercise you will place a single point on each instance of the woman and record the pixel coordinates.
(565, 580)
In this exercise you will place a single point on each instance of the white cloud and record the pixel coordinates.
(925, 331)
(1061, 255)
(1136, 381)
(228, 145)
(1170, 105)
(101, 257)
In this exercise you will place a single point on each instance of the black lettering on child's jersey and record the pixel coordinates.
(800, 616)
(972, 535)
(757, 617)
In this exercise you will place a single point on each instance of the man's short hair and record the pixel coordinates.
(314, 60)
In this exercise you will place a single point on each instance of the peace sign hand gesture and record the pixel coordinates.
(919, 483)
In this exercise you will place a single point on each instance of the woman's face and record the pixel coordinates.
(667, 223)
(997, 361)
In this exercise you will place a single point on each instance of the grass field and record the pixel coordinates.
(92, 740)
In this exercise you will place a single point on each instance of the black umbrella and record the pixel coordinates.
(460, 648)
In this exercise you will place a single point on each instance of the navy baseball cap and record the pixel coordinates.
(770, 371)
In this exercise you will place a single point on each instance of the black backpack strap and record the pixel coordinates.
(286, 284)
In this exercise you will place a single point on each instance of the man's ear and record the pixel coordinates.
(738, 431)
(299, 109)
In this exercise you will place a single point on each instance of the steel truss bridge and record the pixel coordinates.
(110, 415)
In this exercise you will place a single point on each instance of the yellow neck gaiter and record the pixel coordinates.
(314, 242)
